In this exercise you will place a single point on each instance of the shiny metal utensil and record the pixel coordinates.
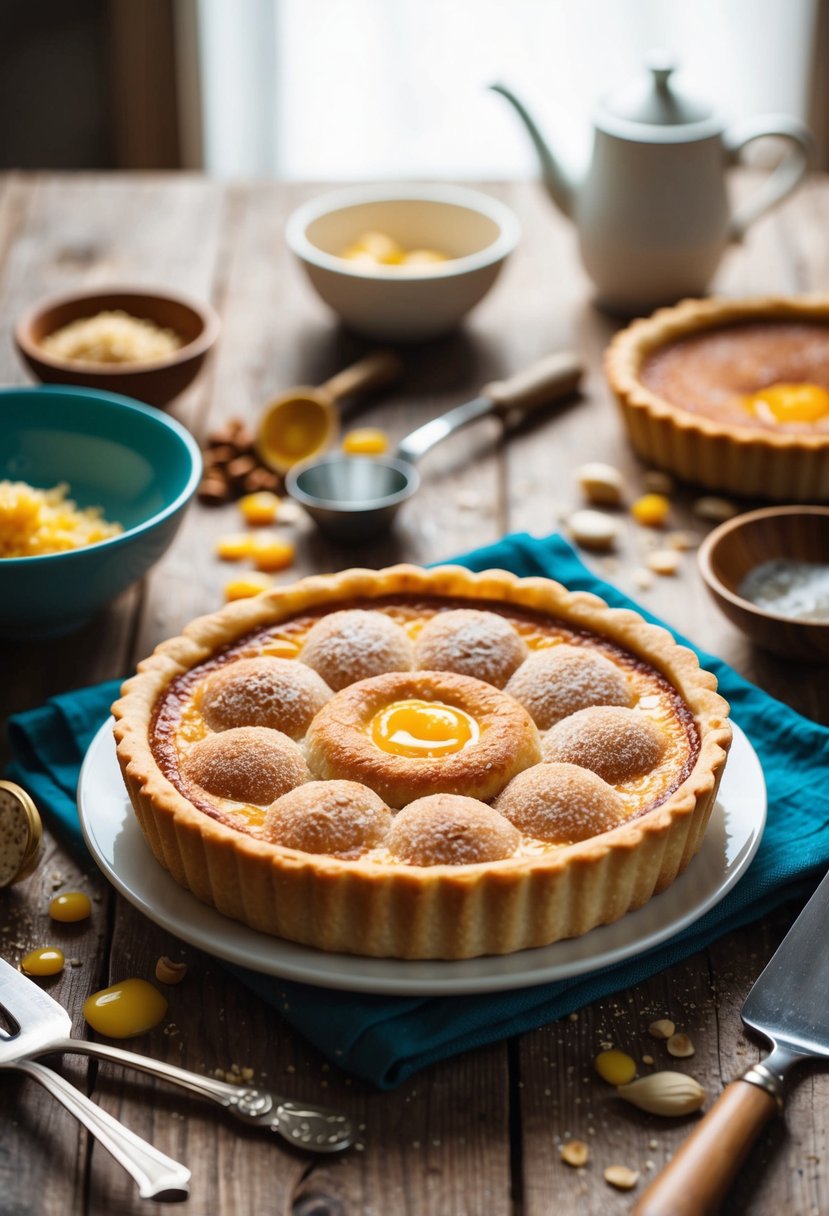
(353, 498)
(158, 1176)
(789, 1006)
(317, 1129)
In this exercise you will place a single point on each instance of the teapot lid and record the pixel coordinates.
(653, 101)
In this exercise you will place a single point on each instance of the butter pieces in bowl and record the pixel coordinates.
(147, 344)
(403, 263)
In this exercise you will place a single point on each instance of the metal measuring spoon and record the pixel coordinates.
(353, 498)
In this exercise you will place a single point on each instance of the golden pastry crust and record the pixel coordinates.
(742, 460)
(376, 907)
(339, 744)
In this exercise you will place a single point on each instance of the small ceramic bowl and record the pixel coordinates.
(138, 465)
(742, 544)
(155, 383)
(403, 303)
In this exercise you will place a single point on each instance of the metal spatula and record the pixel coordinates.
(45, 1028)
(788, 1005)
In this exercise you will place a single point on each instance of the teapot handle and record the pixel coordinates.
(783, 179)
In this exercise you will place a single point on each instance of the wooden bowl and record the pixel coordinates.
(734, 548)
(156, 382)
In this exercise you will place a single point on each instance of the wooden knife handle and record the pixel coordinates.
(698, 1177)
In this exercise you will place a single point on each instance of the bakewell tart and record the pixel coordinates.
(731, 394)
(416, 763)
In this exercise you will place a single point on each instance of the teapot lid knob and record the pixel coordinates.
(654, 99)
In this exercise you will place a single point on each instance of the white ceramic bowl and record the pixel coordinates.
(395, 303)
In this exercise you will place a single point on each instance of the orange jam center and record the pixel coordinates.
(789, 403)
(422, 728)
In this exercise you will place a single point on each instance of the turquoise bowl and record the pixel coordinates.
(140, 466)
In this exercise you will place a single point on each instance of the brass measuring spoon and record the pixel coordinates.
(302, 422)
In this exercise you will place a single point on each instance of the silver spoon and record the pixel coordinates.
(353, 498)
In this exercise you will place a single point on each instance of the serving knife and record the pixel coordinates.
(789, 1006)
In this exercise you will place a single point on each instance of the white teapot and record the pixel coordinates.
(652, 212)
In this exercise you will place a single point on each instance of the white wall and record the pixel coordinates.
(339, 89)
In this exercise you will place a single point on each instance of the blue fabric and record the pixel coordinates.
(386, 1039)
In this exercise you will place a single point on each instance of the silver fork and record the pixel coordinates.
(313, 1128)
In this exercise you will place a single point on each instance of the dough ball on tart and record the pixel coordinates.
(451, 830)
(264, 691)
(328, 817)
(354, 644)
(560, 680)
(246, 764)
(471, 643)
(409, 734)
(560, 803)
(616, 743)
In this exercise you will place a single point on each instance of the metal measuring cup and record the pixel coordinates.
(353, 498)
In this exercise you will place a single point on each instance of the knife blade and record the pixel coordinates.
(789, 1006)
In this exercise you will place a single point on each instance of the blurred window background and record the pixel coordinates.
(358, 89)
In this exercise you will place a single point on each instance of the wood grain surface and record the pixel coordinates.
(481, 1132)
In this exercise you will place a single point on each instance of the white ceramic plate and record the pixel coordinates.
(117, 843)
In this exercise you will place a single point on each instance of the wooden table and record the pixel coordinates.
(480, 1132)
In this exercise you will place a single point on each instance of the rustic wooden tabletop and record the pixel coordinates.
(482, 1131)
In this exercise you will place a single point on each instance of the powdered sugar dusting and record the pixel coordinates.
(264, 691)
(355, 644)
(333, 817)
(252, 764)
(560, 803)
(556, 682)
(616, 743)
(472, 643)
(449, 829)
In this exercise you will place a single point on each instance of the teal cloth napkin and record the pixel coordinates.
(386, 1039)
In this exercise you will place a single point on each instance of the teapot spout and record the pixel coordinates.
(559, 187)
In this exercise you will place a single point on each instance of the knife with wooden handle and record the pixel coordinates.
(789, 1006)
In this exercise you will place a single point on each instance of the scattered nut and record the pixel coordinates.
(601, 483)
(681, 541)
(169, 972)
(575, 1153)
(664, 1093)
(621, 1177)
(657, 482)
(641, 578)
(593, 529)
(647, 1059)
(680, 1046)
(615, 1067)
(663, 1028)
(663, 561)
(716, 510)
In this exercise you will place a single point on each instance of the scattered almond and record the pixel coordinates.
(600, 483)
(681, 541)
(169, 972)
(642, 579)
(680, 1046)
(647, 1059)
(664, 1093)
(657, 482)
(663, 561)
(715, 510)
(575, 1153)
(621, 1177)
(662, 1028)
(593, 529)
